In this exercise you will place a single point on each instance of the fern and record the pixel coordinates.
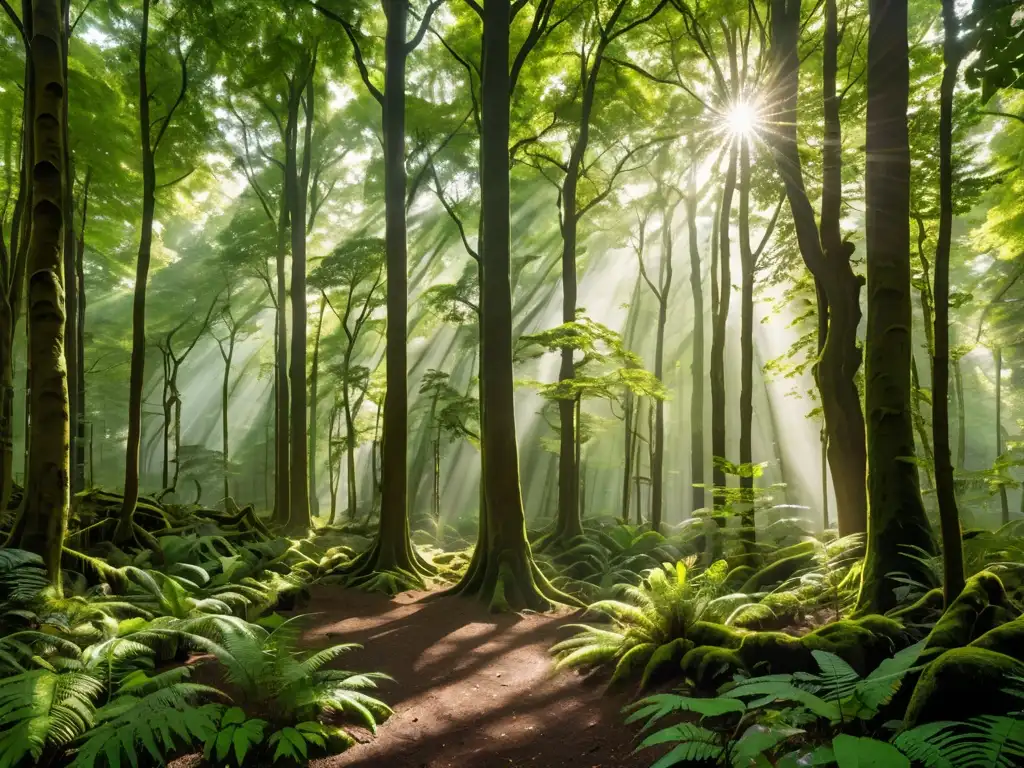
(988, 741)
(43, 709)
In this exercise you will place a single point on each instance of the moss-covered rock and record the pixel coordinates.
(962, 683)
(972, 614)
(752, 560)
(1007, 639)
(925, 611)
(664, 662)
(708, 667)
(719, 635)
(862, 643)
(775, 653)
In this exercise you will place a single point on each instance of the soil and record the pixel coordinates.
(472, 689)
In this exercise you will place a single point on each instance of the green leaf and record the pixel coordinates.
(233, 716)
(757, 740)
(864, 752)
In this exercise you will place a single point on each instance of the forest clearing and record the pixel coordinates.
(478, 383)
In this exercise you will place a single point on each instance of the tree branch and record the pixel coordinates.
(357, 52)
(16, 21)
(424, 25)
(183, 62)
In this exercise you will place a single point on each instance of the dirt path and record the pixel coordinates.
(472, 690)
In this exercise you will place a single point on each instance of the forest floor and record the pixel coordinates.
(472, 689)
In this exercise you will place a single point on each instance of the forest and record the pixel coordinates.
(410, 383)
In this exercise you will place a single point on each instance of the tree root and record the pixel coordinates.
(510, 582)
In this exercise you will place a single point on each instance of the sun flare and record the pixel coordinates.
(742, 119)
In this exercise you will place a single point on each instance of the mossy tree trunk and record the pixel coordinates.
(949, 514)
(502, 571)
(42, 521)
(897, 523)
(827, 257)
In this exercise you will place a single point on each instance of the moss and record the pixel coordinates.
(738, 576)
(924, 611)
(1007, 639)
(664, 662)
(751, 560)
(778, 572)
(708, 633)
(708, 667)
(963, 683)
(800, 548)
(967, 618)
(775, 653)
(862, 643)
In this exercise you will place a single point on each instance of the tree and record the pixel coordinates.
(234, 327)
(392, 551)
(354, 274)
(661, 292)
(898, 529)
(949, 515)
(502, 571)
(452, 415)
(42, 520)
(826, 255)
(153, 133)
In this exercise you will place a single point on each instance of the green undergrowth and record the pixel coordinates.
(106, 674)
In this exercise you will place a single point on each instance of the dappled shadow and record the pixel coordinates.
(472, 689)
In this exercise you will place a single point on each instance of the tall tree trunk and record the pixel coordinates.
(961, 416)
(350, 437)
(42, 524)
(392, 550)
(78, 458)
(718, 333)
(746, 343)
(897, 521)
(167, 405)
(299, 519)
(224, 401)
(333, 466)
(827, 257)
(314, 499)
(502, 571)
(70, 283)
(949, 515)
(658, 454)
(628, 440)
(697, 365)
(282, 438)
(1004, 504)
(137, 373)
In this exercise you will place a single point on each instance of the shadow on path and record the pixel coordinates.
(473, 689)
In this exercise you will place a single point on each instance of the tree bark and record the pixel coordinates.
(42, 522)
(949, 515)
(897, 521)
(699, 499)
(282, 439)
(828, 258)
(718, 333)
(746, 454)
(503, 571)
(1004, 504)
(78, 457)
(299, 519)
(314, 499)
(136, 381)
